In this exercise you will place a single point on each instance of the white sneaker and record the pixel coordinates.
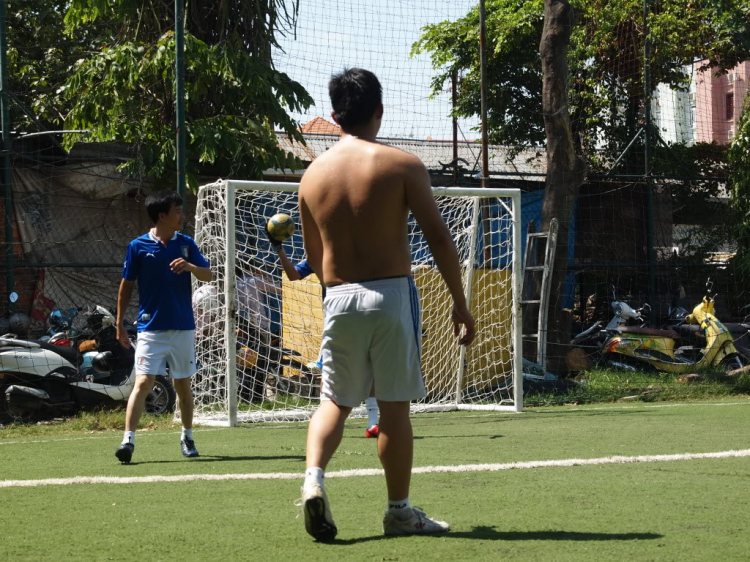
(318, 519)
(415, 522)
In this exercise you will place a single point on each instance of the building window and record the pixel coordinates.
(730, 106)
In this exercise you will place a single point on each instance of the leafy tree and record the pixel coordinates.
(40, 55)
(605, 58)
(114, 76)
(739, 157)
(605, 90)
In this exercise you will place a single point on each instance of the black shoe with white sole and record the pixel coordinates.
(188, 448)
(125, 452)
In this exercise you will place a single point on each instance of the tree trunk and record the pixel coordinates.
(565, 171)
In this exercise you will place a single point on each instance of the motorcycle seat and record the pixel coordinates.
(640, 330)
(70, 354)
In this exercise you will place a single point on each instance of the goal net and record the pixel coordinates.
(258, 333)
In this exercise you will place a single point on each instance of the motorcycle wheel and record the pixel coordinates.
(733, 362)
(162, 398)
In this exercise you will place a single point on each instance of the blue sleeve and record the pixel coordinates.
(132, 267)
(196, 258)
(304, 269)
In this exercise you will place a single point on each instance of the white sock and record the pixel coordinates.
(315, 475)
(129, 437)
(372, 410)
(399, 507)
(187, 433)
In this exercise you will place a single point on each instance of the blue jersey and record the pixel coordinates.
(304, 269)
(164, 297)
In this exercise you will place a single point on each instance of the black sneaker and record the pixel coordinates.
(188, 448)
(125, 452)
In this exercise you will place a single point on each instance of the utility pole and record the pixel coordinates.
(179, 34)
(7, 162)
(650, 241)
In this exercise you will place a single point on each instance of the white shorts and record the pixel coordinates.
(372, 334)
(153, 350)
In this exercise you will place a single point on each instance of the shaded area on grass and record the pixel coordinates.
(485, 533)
(221, 458)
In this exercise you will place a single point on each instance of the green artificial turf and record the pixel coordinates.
(680, 510)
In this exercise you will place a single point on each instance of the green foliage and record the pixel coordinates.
(110, 71)
(234, 102)
(606, 62)
(739, 157)
(39, 59)
(514, 70)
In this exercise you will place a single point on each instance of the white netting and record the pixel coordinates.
(270, 337)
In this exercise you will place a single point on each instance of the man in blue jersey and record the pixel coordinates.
(161, 261)
(295, 272)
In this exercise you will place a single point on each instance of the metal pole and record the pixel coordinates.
(179, 33)
(469, 293)
(230, 288)
(486, 240)
(483, 90)
(652, 292)
(7, 163)
(454, 95)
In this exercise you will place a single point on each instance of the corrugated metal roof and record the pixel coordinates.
(437, 155)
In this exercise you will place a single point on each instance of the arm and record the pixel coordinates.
(201, 273)
(123, 300)
(291, 271)
(420, 200)
(311, 238)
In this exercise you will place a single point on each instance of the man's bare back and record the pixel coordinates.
(355, 194)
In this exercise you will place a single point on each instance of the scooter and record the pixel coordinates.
(38, 378)
(624, 345)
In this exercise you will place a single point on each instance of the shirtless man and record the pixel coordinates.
(354, 202)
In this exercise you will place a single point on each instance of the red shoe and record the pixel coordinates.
(373, 431)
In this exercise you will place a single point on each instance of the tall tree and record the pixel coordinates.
(605, 91)
(565, 170)
(605, 58)
(739, 157)
(120, 85)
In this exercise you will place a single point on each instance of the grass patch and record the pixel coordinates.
(86, 422)
(613, 385)
(683, 510)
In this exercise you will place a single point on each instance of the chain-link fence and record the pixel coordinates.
(656, 94)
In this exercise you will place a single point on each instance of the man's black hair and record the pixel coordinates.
(355, 96)
(161, 202)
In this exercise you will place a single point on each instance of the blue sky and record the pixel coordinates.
(376, 35)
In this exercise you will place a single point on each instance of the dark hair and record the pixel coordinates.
(355, 96)
(161, 202)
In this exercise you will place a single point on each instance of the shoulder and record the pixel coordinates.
(399, 157)
(184, 238)
(139, 242)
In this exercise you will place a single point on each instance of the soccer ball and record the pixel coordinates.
(281, 227)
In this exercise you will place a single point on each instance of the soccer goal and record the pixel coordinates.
(258, 333)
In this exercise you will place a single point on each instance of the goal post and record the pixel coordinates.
(258, 333)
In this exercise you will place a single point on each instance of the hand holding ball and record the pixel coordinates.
(280, 227)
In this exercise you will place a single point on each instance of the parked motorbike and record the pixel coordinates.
(38, 378)
(626, 342)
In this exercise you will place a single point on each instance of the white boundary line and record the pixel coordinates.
(371, 471)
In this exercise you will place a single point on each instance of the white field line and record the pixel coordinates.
(371, 471)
